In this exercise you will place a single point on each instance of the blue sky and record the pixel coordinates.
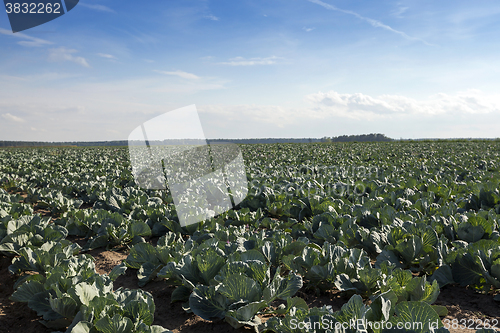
(274, 68)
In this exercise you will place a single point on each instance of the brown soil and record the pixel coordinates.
(471, 309)
(43, 213)
(106, 260)
(334, 298)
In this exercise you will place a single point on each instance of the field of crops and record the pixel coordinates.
(332, 237)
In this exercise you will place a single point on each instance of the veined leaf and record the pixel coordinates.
(208, 303)
(26, 291)
(117, 324)
(238, 287)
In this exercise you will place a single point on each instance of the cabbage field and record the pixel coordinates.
(332, 237)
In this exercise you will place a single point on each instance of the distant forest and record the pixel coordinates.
(343, 138)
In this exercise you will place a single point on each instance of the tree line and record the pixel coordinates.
(343, 138)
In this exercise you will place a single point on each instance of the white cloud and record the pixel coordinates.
(212, 17)
(240, 61)
(28, 40)
(181, 74)
(99, 8)
(65, 54)
(360, 106)
(372, 22)
(306, 29)
(107, 56)
(465, 114)
(398, 12)
(11, 117)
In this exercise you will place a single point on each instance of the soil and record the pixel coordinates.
(464, 305)
(470, 308)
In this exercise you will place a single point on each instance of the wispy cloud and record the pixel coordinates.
(107, 56)
(398, 12)
(306, 29)
(99, 8)
(181, 74)
(65, 54)
(11, 117)
(372, 22)
(27, 40)
(212, 17)
(240, 61)
(141, 37)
